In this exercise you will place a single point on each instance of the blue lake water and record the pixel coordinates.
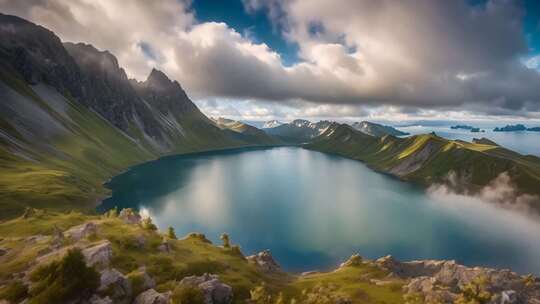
(313, 210)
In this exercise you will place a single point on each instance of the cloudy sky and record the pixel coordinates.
(340, 59)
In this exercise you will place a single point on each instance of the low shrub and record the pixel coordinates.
(65, 280)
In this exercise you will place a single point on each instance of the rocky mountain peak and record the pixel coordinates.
(159, 81)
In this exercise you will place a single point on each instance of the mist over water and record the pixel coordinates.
(314, 210)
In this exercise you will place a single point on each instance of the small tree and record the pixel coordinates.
(171, 234)
(226, 241)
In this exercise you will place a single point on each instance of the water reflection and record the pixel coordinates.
(313, 210)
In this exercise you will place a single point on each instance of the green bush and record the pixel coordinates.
(14, 292)
(187, 295)
(65, 280)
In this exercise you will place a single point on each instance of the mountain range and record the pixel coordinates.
(70, 119)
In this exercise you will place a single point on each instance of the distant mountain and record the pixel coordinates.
(534, 129)
(271, 124)
(299, 131)
(427, 159)
(246, 132)
(511, 128)
(70, 119)
(377, 130)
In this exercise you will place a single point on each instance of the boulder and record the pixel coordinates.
(213, 290)
(81, 231)
(98, 255)
(129, 216)
(4, 251)
(265, 261)
(114, 284)
(151, 297)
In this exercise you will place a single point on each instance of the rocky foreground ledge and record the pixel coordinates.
(122, 258)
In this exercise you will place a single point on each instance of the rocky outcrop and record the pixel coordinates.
(152, 297)
(98, 255)
(115, 284)
(445, 280)
(213, 290)
(264, 261)
(76, 233)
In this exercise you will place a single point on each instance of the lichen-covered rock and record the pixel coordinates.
(114, 284)
(264, 261)
(152, 297)
(165, 246)
(213, 290)
(81, 231)
(98, 255)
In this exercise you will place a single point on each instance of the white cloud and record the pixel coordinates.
(415, 53)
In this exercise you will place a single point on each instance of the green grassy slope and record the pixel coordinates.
(428, 159)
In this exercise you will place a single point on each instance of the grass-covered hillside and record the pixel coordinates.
(428, 159)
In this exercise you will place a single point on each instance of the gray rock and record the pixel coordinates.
(98, 255)
(81, 231)
(214, 291)
(265, 261)
(152, 297)
(114, 284)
